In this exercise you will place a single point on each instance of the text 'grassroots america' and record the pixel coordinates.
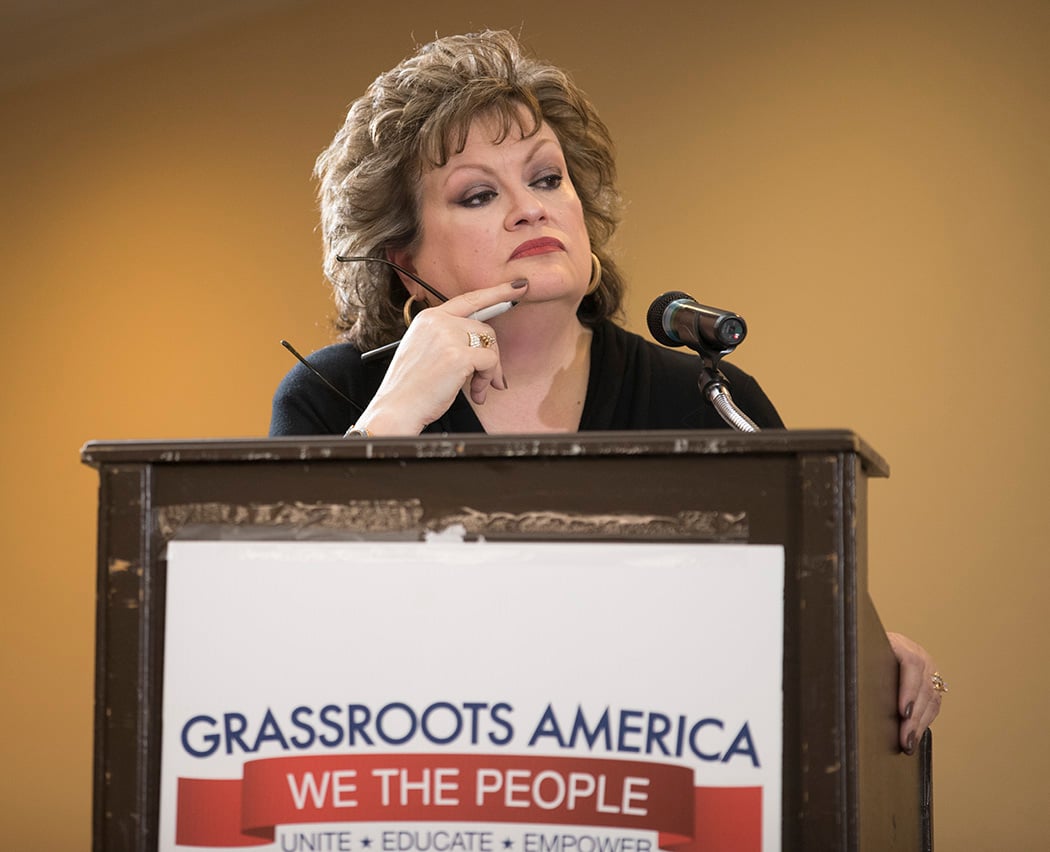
(342, 727)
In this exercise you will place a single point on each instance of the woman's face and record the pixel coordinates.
(498, 212)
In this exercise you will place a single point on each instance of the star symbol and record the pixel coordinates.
(508, 844)
(366, 842)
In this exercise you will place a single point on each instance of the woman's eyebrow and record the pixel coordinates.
(484, 167)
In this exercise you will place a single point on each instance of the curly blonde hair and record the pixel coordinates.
(414, 117)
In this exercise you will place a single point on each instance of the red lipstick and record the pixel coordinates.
(541, 246)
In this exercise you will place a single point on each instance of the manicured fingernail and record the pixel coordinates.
(908, 710)
(910, 747)
(521, 282)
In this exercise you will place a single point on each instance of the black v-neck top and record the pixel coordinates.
(633, 385)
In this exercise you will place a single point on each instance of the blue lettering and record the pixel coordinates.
(236, 725)
(696, 730)
(743, 744)
(269, 731)
(211, 740)
(326, 713)
(473, 707)
(442, 705)
(600, 730)
(442, 723)
(303, 726)
(508, 728)
(357, 725)
(626, 729)
(548, 727)
(658, 728)
(412, 724)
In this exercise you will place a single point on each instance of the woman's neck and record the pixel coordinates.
(546, 361)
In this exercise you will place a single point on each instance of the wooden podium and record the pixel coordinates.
(846, 786)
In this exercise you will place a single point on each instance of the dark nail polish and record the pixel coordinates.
(521, 282)
(908, 710)
(910, 747)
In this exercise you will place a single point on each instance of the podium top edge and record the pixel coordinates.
(315, 449)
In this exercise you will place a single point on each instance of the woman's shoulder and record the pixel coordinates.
(334, 354)
(640, 354)
(666, 379)
(334, 363)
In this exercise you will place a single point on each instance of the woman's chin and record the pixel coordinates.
(547, 287)
(567, 300)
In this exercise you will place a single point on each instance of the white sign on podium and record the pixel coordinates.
(445, 696)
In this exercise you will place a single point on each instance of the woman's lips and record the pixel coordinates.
(540, 246)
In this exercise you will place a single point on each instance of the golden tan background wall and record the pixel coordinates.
(869, 186)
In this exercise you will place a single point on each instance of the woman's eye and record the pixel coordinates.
(477, 199)
(552, 181)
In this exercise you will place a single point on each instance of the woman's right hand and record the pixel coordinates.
(435, 361)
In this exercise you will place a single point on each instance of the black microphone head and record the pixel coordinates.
(655, 317)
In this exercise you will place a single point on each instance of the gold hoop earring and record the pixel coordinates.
(596, 275)
(406, 311)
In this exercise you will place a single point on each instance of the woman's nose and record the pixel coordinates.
(526, 208)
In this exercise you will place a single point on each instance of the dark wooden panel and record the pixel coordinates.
(843, 778)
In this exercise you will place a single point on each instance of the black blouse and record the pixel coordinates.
(634, 384)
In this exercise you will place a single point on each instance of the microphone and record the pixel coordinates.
(677, 319)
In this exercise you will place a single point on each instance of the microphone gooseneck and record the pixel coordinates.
(718, 395)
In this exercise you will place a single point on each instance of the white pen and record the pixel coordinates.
(483, 315)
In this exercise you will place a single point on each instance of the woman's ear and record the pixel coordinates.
(403, 257)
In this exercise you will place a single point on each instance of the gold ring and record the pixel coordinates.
(938, 682)
(480, 341)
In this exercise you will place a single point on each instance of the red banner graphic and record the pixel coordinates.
(576, 791)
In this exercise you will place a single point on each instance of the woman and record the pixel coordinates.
(488, 178)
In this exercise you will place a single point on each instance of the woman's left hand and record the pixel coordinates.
(918, 701)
